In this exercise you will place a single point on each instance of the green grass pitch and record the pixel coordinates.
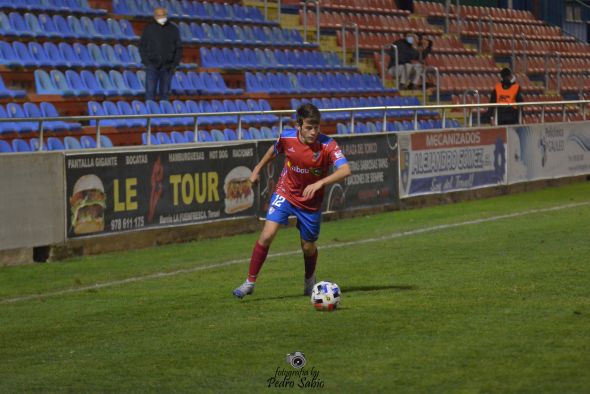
(475, 297)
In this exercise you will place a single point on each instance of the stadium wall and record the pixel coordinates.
(32, 200)
(199, 192)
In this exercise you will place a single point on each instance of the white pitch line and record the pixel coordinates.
(291, 253)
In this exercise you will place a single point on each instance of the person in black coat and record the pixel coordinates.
(161, 52)
(411, 57)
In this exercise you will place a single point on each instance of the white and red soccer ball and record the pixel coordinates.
(325, 296)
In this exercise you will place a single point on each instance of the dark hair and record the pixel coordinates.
(505, 73)
(310, 112)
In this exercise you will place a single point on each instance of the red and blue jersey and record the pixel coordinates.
(305, 164)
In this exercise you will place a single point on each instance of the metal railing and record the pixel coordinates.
(465, 119)
(491, 34)
(356, 42)
(278, 10)
(440, 108)
(437, 75)
(317, 20)
(546, 57)
(396, 64)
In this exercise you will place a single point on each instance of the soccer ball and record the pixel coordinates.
(325, 296)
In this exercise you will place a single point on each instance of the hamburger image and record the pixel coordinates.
(88, 204)
(238, 190)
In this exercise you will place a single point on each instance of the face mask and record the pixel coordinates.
(513, 79)
(410, 40)
(162, 20)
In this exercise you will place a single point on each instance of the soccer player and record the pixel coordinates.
(299, 191)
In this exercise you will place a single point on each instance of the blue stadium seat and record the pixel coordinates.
(255, 133)
(127, 29)
(185, 83)
(19, 145)
(54, 143)
(5, 92)
(192, 107)
(32, 111)
(125, 109)
(121, 84)
(133, 81)
(18, 25)
(87, 142)
(114, 28)
(243, 106)
(217, 135)
(96, 109)
(7, 55)
(107, 86)
(63, 27)
(265, 106)
(48, 110)
(105, 142)
(166, 107)
(81, 52)
(5, 147)
(186, 35)
(194, 32)
(204, 136)
(89, 29)
(108, 52)
(266, 132)
(178, 138)
(163, 138)
(102, 29)
(341, 128)
(34, 27)
(112, 109)
(77, 83)
(70, 56)
(61, 84)
(23, 54)
(89, 80)
(53, 55)
(189, 136)
(122, 55)
(252, 83)
(153, 139)
(230, 135)
(6, 127)
(154, 109)
(76, 27)
(97, 55)
(71, 143)
(34, 144)
(245, 134)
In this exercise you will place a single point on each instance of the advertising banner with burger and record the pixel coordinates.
(373, 161)
(123, 191)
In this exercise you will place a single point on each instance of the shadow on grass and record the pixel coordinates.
(345, 290)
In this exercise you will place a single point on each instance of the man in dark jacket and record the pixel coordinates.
(410, 60)
(161, 51)
(406, 55)
(506, 91)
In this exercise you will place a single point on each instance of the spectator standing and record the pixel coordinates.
(507, 91)
(161, 52)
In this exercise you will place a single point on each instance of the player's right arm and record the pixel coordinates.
(267, 158)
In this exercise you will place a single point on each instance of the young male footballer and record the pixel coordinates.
(299, 191)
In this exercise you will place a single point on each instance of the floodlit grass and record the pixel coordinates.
(500, 306)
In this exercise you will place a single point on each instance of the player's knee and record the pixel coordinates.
(308, 248)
